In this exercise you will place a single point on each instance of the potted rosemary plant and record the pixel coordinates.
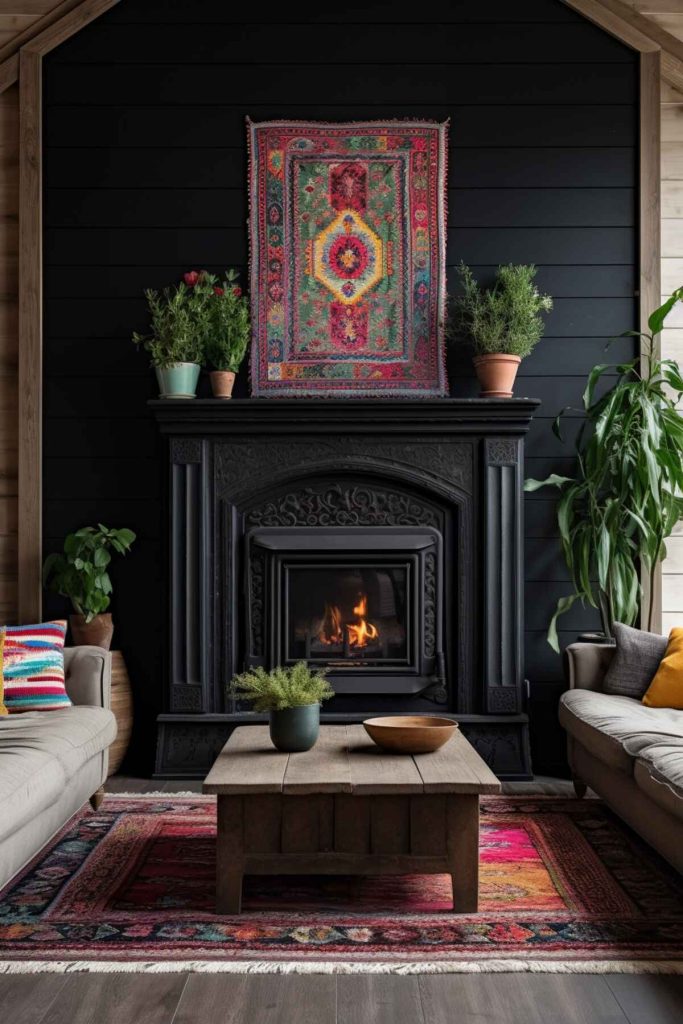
(292, 696)
(503, 323)
(180, 322)
(81, 574)
(229, 333)
(616, 514)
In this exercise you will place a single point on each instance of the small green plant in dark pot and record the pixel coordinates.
(292, 696)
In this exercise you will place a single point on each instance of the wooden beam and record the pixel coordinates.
(12, 46)
(47, 32)
(9, 72)
(30, 387)
(618, 24)
(67, 26)
(650, 253)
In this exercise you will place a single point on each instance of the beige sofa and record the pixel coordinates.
(52, 762)
(630, 755)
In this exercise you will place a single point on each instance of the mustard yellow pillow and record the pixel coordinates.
(666, 689)
(3, 709)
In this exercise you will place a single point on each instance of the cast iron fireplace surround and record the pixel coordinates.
(379, 538)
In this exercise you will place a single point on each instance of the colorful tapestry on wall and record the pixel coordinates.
(348, 258)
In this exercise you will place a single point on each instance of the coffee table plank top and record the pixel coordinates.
(473, 774)
(344, 760)
(324, 769)
(248, 763)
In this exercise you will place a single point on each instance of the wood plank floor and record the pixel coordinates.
(346, 999)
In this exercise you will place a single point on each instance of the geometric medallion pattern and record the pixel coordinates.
(347, 229)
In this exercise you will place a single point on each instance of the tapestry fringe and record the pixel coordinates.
(331, 967)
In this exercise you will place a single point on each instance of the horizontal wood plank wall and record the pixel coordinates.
(145, 176)
(672, 339)
(9, 249)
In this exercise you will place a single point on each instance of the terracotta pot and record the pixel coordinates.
(222, 383)
(496, 374)
(122, 706)
(97, 633)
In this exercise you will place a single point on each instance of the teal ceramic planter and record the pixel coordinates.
(295, 729)
(179, 380)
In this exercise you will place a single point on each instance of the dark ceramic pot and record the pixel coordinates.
(295, 729)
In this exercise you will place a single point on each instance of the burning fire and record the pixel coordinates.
(358, 633)
(361, 631)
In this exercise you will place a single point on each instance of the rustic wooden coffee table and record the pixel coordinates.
(346, 808)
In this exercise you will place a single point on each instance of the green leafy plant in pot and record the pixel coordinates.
(81, 574)
(292, 696)
(229, 335)
(503, 323)
(180, 324)
(617, 512)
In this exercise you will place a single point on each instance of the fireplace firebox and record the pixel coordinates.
(362, 603)
(378, 539)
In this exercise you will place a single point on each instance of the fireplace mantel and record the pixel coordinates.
(483, 416)
(452, 465)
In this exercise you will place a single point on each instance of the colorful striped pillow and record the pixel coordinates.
(3, 709)
(33, 667)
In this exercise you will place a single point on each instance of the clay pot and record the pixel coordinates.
(97, 633)
(496, 374)
(222, 383)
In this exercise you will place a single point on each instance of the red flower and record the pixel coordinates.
(237, 291)
(218, 291)
(191, 278)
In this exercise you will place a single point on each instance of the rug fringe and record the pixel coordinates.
(331, 967)
(160, 792)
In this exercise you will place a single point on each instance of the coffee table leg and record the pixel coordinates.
(462, 838)
(229, 855)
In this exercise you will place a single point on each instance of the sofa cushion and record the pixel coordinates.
(33, 667)
(40, 752)
(659, 774)
(616, 729)
(635, 662)
(666, 689)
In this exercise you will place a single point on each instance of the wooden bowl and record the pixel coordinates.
(410, 734)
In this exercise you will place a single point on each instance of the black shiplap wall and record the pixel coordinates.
(145, 172)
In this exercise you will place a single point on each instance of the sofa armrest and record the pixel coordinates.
(586, 665)
(87, 672)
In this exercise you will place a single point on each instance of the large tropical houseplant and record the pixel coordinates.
(617, 512)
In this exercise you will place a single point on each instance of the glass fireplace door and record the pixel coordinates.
(343, 615)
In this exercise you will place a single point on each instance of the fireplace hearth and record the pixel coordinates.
(379, 539)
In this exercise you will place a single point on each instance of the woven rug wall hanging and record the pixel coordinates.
(564, 886)
(348, 258)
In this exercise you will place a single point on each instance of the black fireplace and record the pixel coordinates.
(381, 540)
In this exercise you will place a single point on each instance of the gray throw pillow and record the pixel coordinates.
(635, 661)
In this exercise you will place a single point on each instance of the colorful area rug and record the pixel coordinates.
(564, 886)
(348, 258)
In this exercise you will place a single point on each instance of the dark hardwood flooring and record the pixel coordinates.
(341, 999)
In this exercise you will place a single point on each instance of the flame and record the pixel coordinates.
(361, 631)
(331, 627)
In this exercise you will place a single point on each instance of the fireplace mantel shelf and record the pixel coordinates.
(483, 416)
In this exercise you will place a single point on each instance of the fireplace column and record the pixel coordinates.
(503, 575)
